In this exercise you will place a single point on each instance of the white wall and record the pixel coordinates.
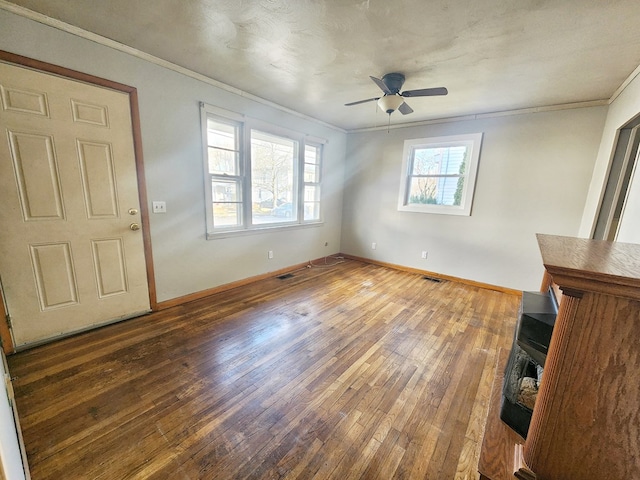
(184, 261)
(533, 177)
(621, 110)
(10, 457)
(629, 227)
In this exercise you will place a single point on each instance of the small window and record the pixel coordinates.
(258, 175)
(439, 174)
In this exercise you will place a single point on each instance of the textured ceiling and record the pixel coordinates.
(312, 56)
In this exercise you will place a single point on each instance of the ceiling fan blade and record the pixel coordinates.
(425, 92)
(405, 109)
(381, 84)
(361, 101)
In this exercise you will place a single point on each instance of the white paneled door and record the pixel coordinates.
(71, 251)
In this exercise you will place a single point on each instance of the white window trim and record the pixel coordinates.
(246, 125)
(473, 141)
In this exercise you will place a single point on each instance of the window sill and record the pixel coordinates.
(439, 210)
(261, 230)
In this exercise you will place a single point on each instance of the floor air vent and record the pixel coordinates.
(432, 279)
(286, 275)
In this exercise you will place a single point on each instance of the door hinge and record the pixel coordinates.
(9, 320)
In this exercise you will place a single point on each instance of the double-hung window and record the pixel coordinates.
(258, 175)
(439, 174)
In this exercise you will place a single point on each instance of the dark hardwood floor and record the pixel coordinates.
(353, 371)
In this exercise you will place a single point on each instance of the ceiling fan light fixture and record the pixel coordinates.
(390, 103)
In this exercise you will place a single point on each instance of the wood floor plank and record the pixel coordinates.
(352, 371)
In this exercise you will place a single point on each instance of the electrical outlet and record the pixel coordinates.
(270, 254)
(159, 207)
(424, 254)
(373, 245)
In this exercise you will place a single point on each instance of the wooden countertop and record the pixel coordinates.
(580, 264)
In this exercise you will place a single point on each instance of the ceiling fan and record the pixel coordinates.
(393, 99)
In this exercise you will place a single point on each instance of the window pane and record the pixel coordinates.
(227, 206)
(273, 161)
(311, 193)
(227, 215)
(222, 135)
(225, 191)
(436, 191)
(284, 212)
(222, 162)
(311, 154)
(311, 173)
(311, 163)
(439, 161)
(311, 211)
(439, 173)
(311, 202)
(223, 148)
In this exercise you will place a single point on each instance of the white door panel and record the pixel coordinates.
(69, 260)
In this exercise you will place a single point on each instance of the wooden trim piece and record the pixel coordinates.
(229, 286)
(547, 401)
(63, 71)
(5, 332)
(473, 283)
(520, 468)
(547, 282)
(142, 195)
(137, 145)
(549, 285)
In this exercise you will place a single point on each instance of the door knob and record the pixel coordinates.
(133, 211)
(134, 226)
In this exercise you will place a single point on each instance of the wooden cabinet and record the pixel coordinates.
(586, 422)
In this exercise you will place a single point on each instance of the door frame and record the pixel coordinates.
(5, 332)
(132, 92)
(625, 156)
